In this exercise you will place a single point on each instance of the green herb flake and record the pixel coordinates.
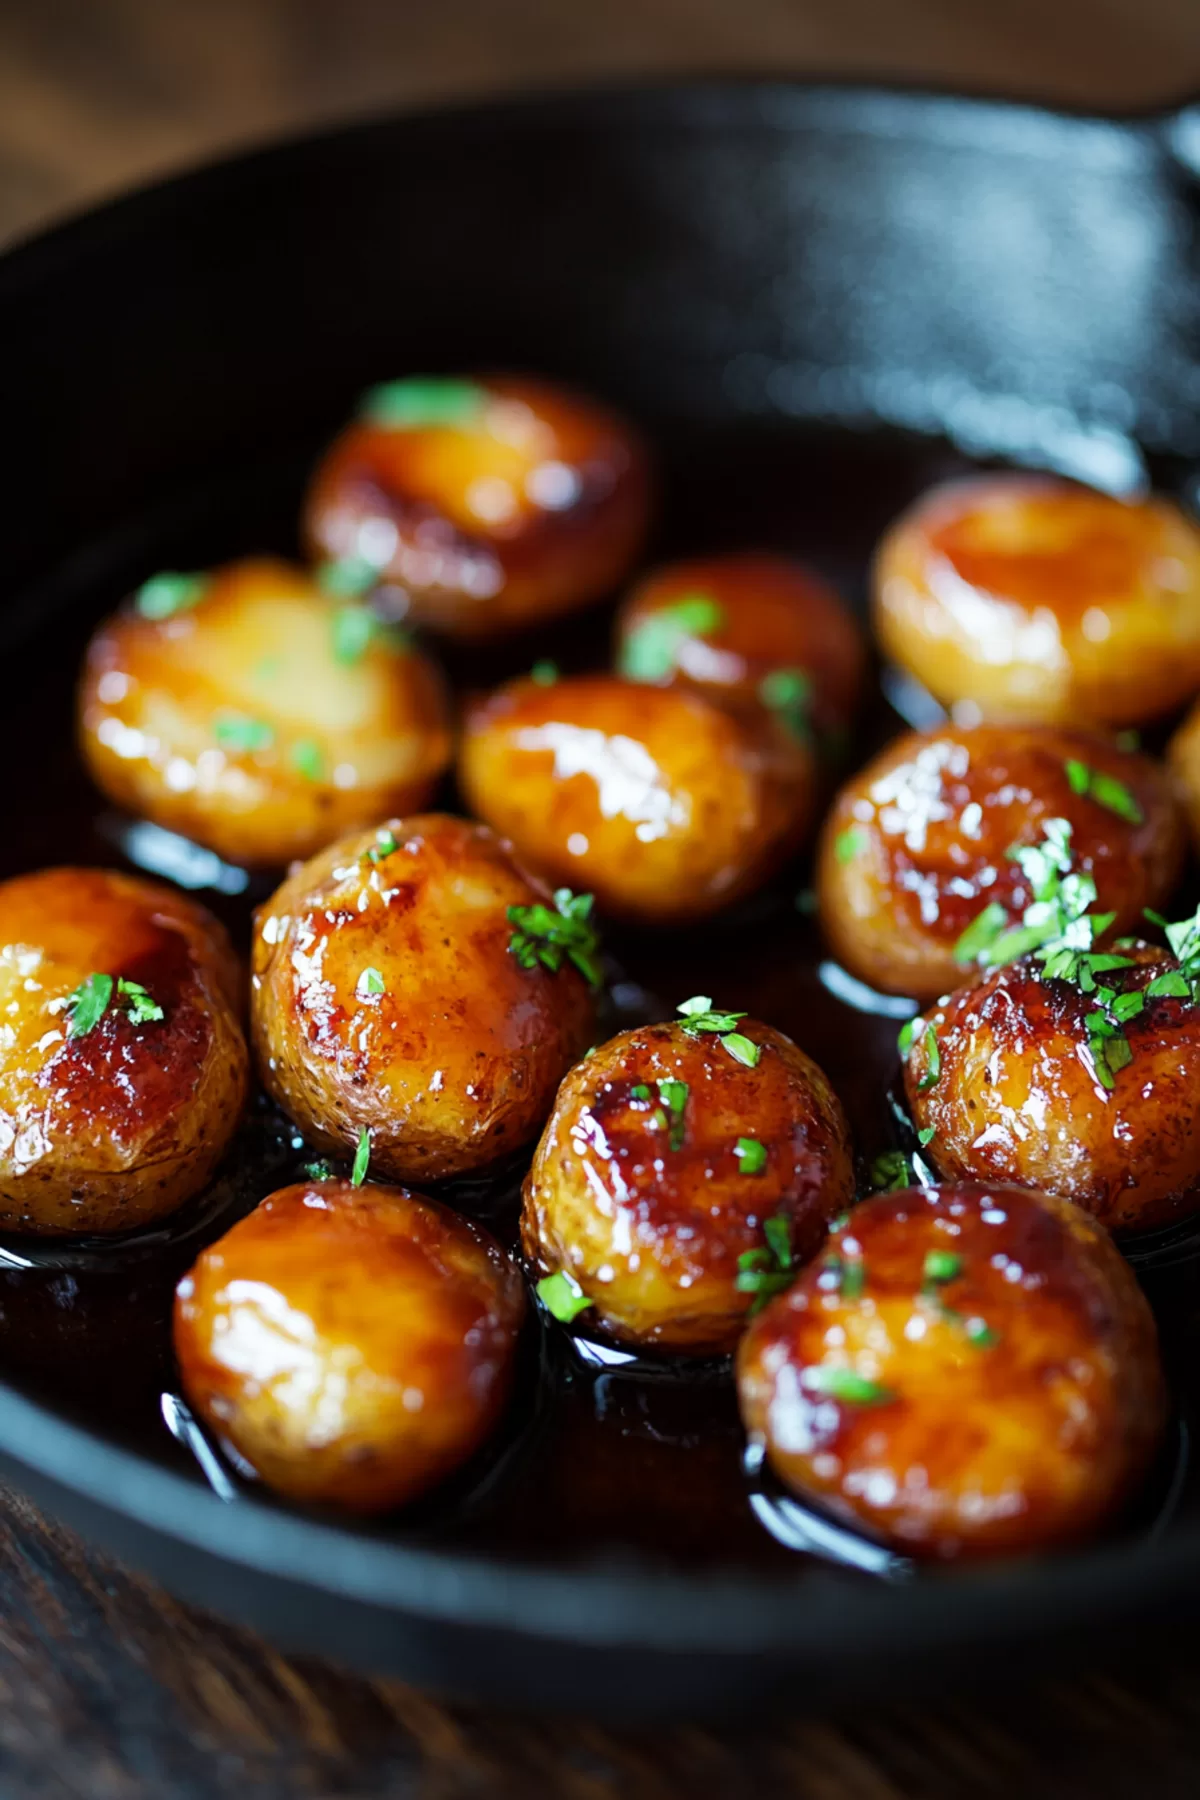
(425, 402)
(846, 1385)
(544, 673)
(751, 1155)
(370, 982)
(554, 935)
(890, 1171)
(1171, 985)
(926, 1136)
(242, 734)
(674, 1095)
(385, 845)
(983, 931)
(562, 1296)
(640, 1092)
(765, 1272)
(850, 843)
(922, 1030)
(980, 1334)
(169, 593)
(742, 1049)
(698, 1015)
(650, 650)
(89, 1003)
(140, 1007)
(362, 1159)
(320, 1170)
(1104, 789)
(788, 694)
(347, 577)
(307, 759)
(941, 1266)
(353, 628)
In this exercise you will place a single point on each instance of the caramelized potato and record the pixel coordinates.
(489, 504)
(1183, 760)
(1025, 1092)
(1026, 597)
(988, 1381)
(123, 1071)
(663, 805)
(251, 712)
(662, 1161)
(748, 630)
(354, 1345)
(917, 843)
(388, 998)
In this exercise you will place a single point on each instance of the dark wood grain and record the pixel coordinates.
(110, 1690)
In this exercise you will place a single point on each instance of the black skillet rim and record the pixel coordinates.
(603, 1606)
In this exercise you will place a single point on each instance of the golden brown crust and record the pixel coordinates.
(453, 1062)
(657, 801)
(331, 738)
(116, 1127)
(916, 844)
(1018, 1098)
(355, 1345)
(1028, 597)
(1012, 1406)
(538, 507)
(773, 614)
(652, 1233)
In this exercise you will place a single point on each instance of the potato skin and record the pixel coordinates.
(355, 1345)
(1025, 597)
(349, 736)
(974, 1448)
(455, 1063)
(1017, 1099)
(663, 805)
(119, 1126)
(777, 615)
(653, 1234)
(916, 844)
(531, 511)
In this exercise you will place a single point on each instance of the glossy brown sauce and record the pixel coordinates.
(596, 1462)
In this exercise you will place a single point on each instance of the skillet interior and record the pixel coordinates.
(817, 301)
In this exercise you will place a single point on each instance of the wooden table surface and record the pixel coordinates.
(109, 1690)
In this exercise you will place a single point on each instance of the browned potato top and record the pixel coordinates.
(1028, 597)
(750, 629)
(489, 503)
(110, 1118)
(660, 803)
(254, 713)
(968, 1370)
(355, 1345)
(1020, 1096)
(662, 1160)
(387, 998)
(917, 843)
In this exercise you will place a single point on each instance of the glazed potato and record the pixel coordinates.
(916, 844)
(748, 630)
(968, 1371)
(354, 1345)
(255, 713)
(123, 1071)
(1183, 760)
(488, 504)
(662, 1162)
(1028, 1093)
(663, 805)
(1025, 597)
(389, 997)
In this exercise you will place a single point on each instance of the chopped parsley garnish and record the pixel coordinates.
(926, 1136)
(362, 1159)
(552, 936)
(239, 732)
(353, 628)
(1183, 935)
(918, 1030)
(1105, 789)
(849, 1275)
(347, 577)
(981, 933)
(169, 593)
(640, 1092)
(562, 1296)
(890, 1171)
(788, 694)
(846, 1385)
(92, 998)
(673, 1095)
(650, 650)
(320, 1170)
(698, 1016)
(385, 844)
(766, 1272)
(307, 759)
(940, 1267)
(544, 673)
(751, 1155)
(370, 982)
(849, 843)
(423, 402)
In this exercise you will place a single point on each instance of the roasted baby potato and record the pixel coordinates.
(663, 805)
(487, 505)
(393, 995)
(749, 630)
(682, 1164)
(968, 1370)
(257, 714)
(918, 843)
(1024, 597)
(1036, 1082)
(354, 1345)
(123, 1071)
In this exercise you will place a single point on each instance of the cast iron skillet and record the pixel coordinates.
(817, 300)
